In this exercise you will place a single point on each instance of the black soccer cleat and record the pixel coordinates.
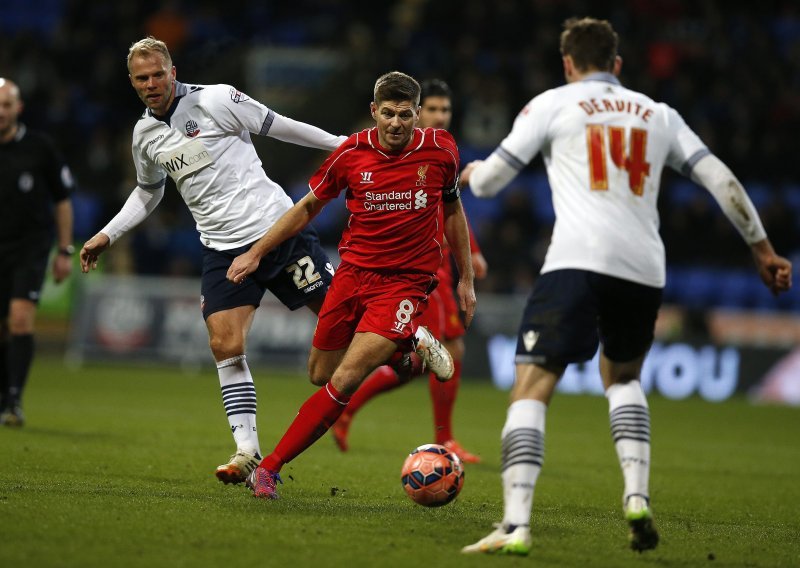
(643, 535)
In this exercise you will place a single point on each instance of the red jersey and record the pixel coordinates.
(394, 198)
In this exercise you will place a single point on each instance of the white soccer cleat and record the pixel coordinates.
(501, 541)
(238, 467)
(436, 357)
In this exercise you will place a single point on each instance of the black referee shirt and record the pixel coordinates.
(33, 176)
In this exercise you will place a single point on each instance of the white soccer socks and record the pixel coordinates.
(239, 399)
(630, 429)
(522, 457)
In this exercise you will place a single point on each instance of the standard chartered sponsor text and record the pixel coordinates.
(387, 201)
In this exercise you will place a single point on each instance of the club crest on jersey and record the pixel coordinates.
(529, 338)
(192, 129)
(422, 172)
(366, 177)
(238, 96)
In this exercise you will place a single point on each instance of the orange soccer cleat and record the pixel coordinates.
(339, 431)
(465, 456)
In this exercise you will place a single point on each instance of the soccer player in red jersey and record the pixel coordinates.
(442, 317)
(401, 185)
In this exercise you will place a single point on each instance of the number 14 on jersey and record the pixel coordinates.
(628, 156)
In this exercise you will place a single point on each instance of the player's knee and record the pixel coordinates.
(346, 383)
(225, 347)
(317, 379)
(317, 374)
(536, 382)
(322, 365)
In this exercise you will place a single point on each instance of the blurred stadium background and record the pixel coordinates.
(731, 69)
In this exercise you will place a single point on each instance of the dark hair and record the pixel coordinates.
(396, 86)
(435, 88)
(591, 43)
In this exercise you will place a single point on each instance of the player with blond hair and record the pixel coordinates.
(200, 136)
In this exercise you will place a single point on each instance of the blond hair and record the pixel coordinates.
(146, 46)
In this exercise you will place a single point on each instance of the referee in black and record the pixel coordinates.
(35, 209)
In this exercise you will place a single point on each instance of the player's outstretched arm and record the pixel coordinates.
(487, 177)
(92, 249)
(717, 178)
(141, 202)
(291, 223)
(775, 271)
(286, 129)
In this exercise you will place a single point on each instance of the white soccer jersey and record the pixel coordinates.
(204, 145)
(604, 147)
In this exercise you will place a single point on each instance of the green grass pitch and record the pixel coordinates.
(115, 468)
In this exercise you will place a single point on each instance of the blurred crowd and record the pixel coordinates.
(731, 69)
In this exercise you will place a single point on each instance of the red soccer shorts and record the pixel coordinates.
(362, 300)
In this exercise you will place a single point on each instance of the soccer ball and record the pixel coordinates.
(432, 475)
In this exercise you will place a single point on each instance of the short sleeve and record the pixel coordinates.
(330, 179)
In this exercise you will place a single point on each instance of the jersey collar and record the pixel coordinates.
(417, 138)
(602, 76)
